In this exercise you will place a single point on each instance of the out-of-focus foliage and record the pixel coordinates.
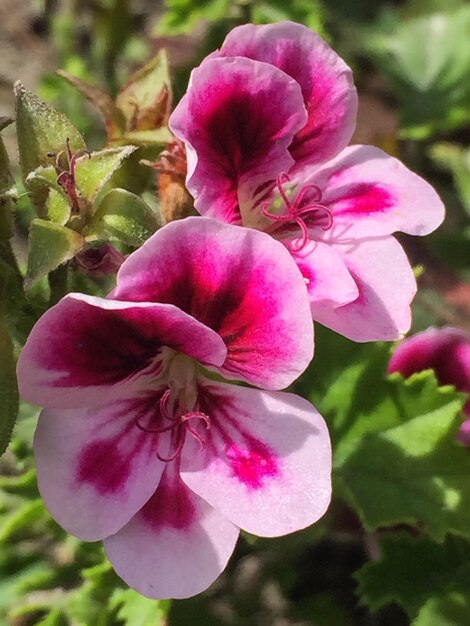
(416, 570)
(183, 16)
(427, 60)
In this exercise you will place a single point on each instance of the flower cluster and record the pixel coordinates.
(266, 120)
(143, 441)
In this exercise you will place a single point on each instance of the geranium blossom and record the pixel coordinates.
(444, 350)
(266, 120)
(141, 445)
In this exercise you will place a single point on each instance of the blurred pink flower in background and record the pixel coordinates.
(266, 121)
(444, 350)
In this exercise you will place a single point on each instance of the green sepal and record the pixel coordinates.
(6, 182)
(5, 121)
(57, 207)
(8, 389)
(113, 117)
(92, 173)
(50, 245)
(123, 216)
(145, 99)
(41, 130)
(157, 137)
(43, 177)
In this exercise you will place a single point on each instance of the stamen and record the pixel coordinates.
(66, 175)
(180, 425)
(304, 216)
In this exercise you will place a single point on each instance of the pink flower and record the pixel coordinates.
(141, 445)
(444, 350)
(266, 120)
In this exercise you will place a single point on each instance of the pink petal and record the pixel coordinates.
(176, 546)
(464, 433)
(326, 82)
(325, 274)
(87, 350)
(96, 468)
(237, 119)
(445, 350)
(372, 194)
(241, 283)
(267, 462)
(386, 286)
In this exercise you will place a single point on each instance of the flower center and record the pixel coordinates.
(178, 408)
(303, 212)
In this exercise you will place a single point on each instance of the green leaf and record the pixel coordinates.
(8, 389)
(450, 609)
(123, 216)
(145, 99)
(136, 610)
(92, 602)
(41, 130)
(413, 570)
(412, 470)
(455, 160)
(92, 173)
(113, 117)
(427, 60)
(50, 245)
(395, 455)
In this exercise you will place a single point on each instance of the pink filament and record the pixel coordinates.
(66, 175)
(180, 426)
(297, 214)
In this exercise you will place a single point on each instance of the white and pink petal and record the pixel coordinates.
(266, 460)
(176, 546)
(386, 285)
(86, 349)
(96, 467)
(237, 120)
(326, 82)
(326, 277)
(237, 281)
(371, 194)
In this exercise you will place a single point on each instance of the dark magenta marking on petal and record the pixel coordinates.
(250, 460)
(103, 346)
(103, 466)
(170, 506)
(364, 198)
(104, 463)
(254, 465)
